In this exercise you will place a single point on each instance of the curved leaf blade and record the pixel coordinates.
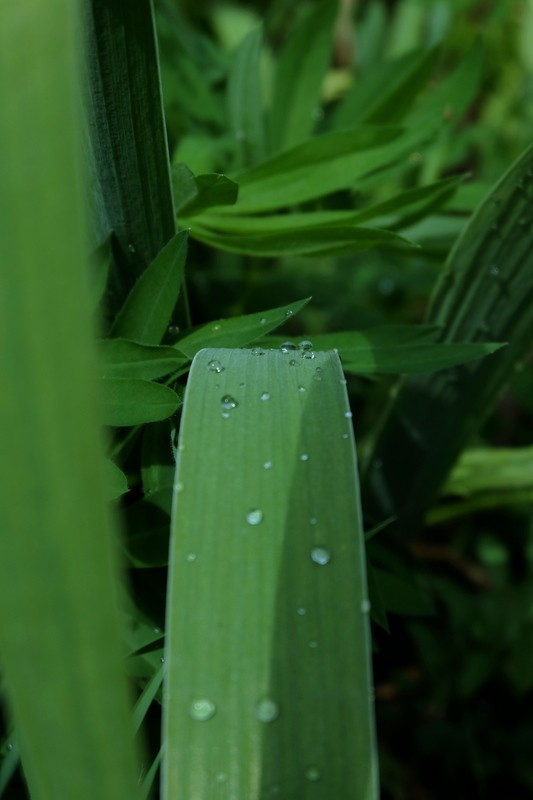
(130, 401)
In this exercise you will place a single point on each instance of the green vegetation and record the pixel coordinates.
(284, 258)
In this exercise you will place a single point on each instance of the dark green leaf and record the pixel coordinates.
(122, 358)
(116, 482)
(412, 359)
(193, 194)
(145, 315)
(245, 101)
(130, 401)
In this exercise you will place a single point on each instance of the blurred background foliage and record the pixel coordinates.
(454, 672)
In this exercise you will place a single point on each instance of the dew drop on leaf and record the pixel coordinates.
(265, 396)
(286, 347)
(320, 555)
(267, 710)
(312, 774)
(267, 465)
(215, 366)
(365, 606)
(302, 389)
(306, 345)
(301, 611)
(202, 709)
(228, 402)
(254, 517)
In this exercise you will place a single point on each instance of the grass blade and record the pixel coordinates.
(267, 660)
(60, 631)
(485, 292)
(245, 103)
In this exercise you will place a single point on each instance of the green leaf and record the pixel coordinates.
(130, 401)
(412, 359)
(299, 74)
(115, 480)
(148, 529)
(323, 165)
(487, 469)
(245, 102)
(386, 93)
(129, 161)
(238, 331)
(267, 584)
(193, 194)
(147, 310)
(485, 292)
(308, 241)
(121, 358)
(60, 637)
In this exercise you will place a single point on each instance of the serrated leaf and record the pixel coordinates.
(147, 310)
(122, 358)
(130, 401)
(267, 585)
(299, 73)
(245, 101)
(238, 331)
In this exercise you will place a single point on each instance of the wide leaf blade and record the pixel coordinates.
(267, 656)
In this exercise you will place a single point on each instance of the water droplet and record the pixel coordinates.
(242, 386)
(202, 709)
(343, 381)
(320, 556)
(494, 270)
(215, 366)
(312, 774)
(225, 415)
(377, 463)
(190, 557)
(286, 347)
(289, 313)
(302, 389)
(267, 465)
(162, 659)
(257, 351)
(365, 606)
(265, 396)
(263, 321)
(178, 488)
(313, 644)
(304, 457)
(157, 630)
(221, 777)
(173, 330)
(301, 611)
(292, 362)
(345, 435)
(228, 402)
(308, 354)
(267, 710)
(131, 248)
(306, 345)
(216, 326)
(313, 521)
(348, 414)
(254, 517)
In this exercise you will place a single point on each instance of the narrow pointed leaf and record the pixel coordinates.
(238, 331)
(414, 358)
(485, 292)
(267, 652)
(60, 636)
(245, 101)
(146, 313)
(299, 74)
(193, 194)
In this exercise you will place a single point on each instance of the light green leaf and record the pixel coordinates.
(145, 315)
(245, 101)
(299, 74)
(193, 194)
(321, 166)
(116, 482)
(308, 241)
(267, 584)
(238, 331)
(130, 401)
(122, 358)
(60, 637)
(487, 469)
(412, 359)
